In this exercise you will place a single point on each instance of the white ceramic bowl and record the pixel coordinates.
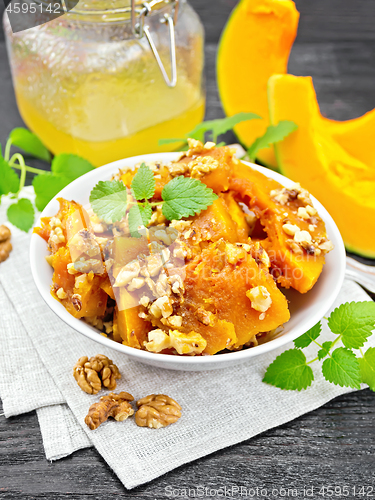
(306, 309)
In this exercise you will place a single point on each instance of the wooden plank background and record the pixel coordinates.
(334, 445)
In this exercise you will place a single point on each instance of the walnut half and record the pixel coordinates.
(156, 411)
(5, 244)
(91, 373)
(116, 406)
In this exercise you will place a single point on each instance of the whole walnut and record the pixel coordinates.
(5, 244)
(156, 411)
(92, 373)
(116, 406)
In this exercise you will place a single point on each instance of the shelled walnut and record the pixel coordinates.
(156, 411)
(116, 406)
(92, 373)
(5, 244)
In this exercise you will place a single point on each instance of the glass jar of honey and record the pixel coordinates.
(108, 79)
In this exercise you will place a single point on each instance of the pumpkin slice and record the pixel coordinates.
(345, 185)
(215, 302)
(255, 44)
(293, 265)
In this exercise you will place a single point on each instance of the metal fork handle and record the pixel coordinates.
(361, 273)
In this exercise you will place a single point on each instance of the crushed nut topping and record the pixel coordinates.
(157, 341)
(295, 248)
(206, 317)
(156, 411)
(290, 229)
(116, 406)
(187, 343)
(202, 166)
(326, 246)
(91, 373)
(234, 253)
(260, 298)
(61, 294)
(127, 273)
(302, 213)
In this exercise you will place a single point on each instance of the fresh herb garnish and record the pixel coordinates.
(273, 134)
(353, 324)
(64, 169)
(181, 197)
(215, 128)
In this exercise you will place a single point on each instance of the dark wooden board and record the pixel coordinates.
(334, 445)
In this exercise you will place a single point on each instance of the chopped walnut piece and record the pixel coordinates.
(156, 411)
(260, 298)
(302, 213)
(187, 343)
(202, 165)
(206, 317)
(326, 246)
(61, 294)
(234, 253)
(116, 406)
(5, 233)
(157, 341)
(91, 374)
(290, 229)
(295, 248)
(127, 273)
(303, 238)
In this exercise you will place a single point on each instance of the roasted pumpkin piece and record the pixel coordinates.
(89, 299)
(296, 263)
(107, 287)
(132, 329)
(215, 223)
(237, 215)
(61, 277)
(215, 297)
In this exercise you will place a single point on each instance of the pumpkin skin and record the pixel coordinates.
(255, 44)
(298, 271)
(344, 184)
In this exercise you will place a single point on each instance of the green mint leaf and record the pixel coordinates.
(9, 180)
(342, 368)
(21, 214)
(139, 215)
(218, 127)
(184, 196)
(30, 143)
(109, 200)
(273, 134)
(289, 371)
(354, 321)
(308, 337)
(70, 166)
(143, 183)
(46, 186)
(367, 365)
(163, 142)
(322, 353)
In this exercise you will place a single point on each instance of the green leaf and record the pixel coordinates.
(367, 365)
(143, 183)
(9, 180)
(46, 186)
(21, 214)
(342, 368)
(273, 134)
(218, 127)
(184, 196)
(30, 143)
(290, 371)
(308, 337)
(139, 215)
(326, 346)
(70, 166)
(354, 321)
(163, 142)
(109, 200)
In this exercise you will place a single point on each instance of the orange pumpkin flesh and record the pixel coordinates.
(215, 303)
(298, 271)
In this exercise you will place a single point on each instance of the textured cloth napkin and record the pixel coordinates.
(220, 408)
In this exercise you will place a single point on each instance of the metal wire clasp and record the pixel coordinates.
(140, 28)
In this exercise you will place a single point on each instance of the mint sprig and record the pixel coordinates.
(273, 134)
(181, 197)
(143, 183)
(213, 128)
(184, 196)
(352, 323)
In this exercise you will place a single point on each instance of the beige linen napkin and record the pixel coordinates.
(220, 408)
